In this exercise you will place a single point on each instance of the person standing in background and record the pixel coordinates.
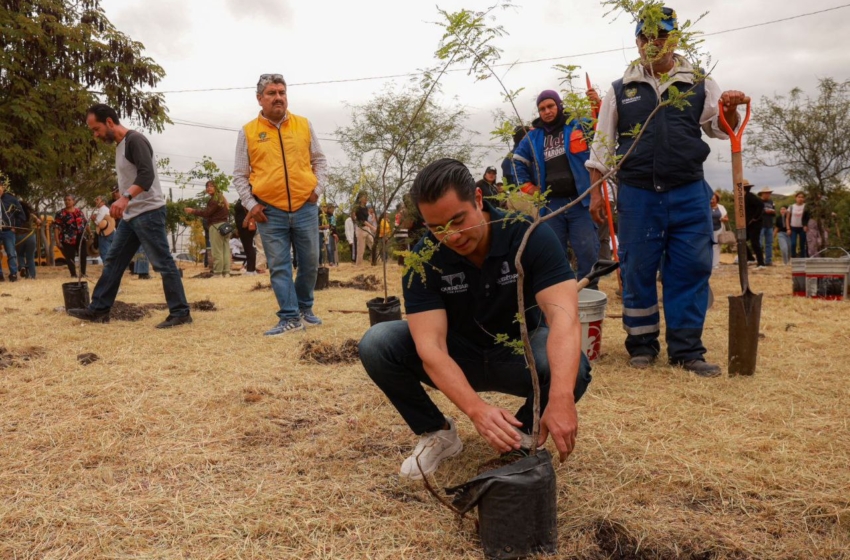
(797, 226)
(246, 229)
(11, 216)
(754, 211)
(719, 219)
(767, 225)
(280, 171)
(105, 226)
(779, 230)
(25, 241)
(216, 213)
(70, 226)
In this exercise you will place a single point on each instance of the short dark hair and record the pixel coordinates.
(101, 112)
(438, 177)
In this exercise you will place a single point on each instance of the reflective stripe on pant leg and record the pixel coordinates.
(643, 219)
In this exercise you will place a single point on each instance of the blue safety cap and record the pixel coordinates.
(667, 24)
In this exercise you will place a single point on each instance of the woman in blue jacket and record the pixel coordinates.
(552, 157)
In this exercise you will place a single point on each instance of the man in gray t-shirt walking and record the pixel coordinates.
(141, 209)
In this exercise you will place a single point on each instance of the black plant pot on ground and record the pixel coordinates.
(76, 295)
(381, 311)
(323, 278)
(517, 507)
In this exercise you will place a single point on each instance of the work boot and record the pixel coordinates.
(641, 361)
(89, 315)
(13, 278)
(172, 321)
(432, 448)
(702, 368)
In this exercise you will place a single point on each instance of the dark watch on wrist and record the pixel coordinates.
(128, 196)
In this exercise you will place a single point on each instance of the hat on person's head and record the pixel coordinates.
(114, 188)
(553, 95)
(490, 169)
(764, 190)
(746, 184)
(669, 22)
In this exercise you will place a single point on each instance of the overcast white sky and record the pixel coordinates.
(228, 43)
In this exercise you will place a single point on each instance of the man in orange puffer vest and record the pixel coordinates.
(280, 173)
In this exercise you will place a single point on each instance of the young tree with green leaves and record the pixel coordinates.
(58, 58)
(390, 138)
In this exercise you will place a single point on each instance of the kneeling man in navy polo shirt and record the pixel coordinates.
(468, 296)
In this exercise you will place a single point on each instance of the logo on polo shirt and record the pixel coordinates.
(507, 277)
(631, 96)
(456, 283)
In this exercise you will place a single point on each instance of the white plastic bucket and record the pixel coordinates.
(798, 277)
(827, 278)
(591, 313)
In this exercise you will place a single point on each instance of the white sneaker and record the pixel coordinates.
(431, 450)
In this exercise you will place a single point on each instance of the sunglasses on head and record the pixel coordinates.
(271, 76)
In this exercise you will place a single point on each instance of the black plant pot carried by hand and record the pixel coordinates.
(381, 311)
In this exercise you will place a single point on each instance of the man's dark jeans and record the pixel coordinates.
(389, 355)
(148, 231)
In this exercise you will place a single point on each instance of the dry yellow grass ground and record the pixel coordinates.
(211, 441)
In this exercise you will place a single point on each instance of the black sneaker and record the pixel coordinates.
(13, 278)
(172, 321)
(89, 315)
(702, 368)
(144, 276)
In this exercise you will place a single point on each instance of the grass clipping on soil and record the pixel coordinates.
(321, 352)
(122, 311)
(213, 441)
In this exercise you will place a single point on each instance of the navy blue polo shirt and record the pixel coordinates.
(481, 302)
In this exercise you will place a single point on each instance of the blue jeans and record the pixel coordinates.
(576, 228)
(142, 265)
(282, 232)
(104, 242)
(329, 247)
(147, 231)
(7, 238)
(671, 229)
(767, 244)
(798, 233)
(785, 247)
(26, 246)
(388, 353)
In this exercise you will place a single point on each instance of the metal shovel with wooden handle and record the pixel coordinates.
(744, 310)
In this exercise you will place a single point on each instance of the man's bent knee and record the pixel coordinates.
(377, 345)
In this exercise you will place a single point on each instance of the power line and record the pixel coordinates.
(319, 136)
(504, 64)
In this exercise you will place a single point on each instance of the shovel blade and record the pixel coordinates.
(744, 322)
